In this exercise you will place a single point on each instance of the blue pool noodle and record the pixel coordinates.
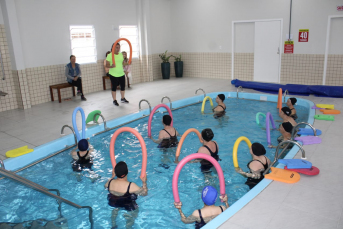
(83, 124)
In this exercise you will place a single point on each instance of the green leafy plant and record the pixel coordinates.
(177, 58)
(164, 57)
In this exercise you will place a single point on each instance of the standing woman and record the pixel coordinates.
(73, 74)
(117, 74)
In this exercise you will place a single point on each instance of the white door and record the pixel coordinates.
(267, 51)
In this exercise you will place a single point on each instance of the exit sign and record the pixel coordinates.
(303, 35)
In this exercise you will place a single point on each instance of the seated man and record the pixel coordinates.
(167, 137)
(210, 148)
(285, 114)
(290, 104)
(82, 158)
(286, 133)
(123, 194)
(208, 212)
(257, 165)
(219, 110)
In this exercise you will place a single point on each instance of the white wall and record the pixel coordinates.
(1, 17)
(160, 25)
(44, 26)
(205, 26)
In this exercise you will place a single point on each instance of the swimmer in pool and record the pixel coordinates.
(219, 110)
(82, 158)
(123, 194)
(286, 132)
(285, 114)
(167, 137)
(208, 212)
(290, 104)
(256, 166)
(210, 148)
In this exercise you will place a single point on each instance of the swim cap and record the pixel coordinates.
(287, 126)
(258, 149)
(167, 120)
(209, 195)
(207, 134)
(286, 111)
(293, 100)
(121, 169)
(83, 145)
(222, 97)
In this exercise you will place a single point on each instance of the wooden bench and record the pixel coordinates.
(104, 83)
(59, 87)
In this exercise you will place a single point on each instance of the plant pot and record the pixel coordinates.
(165, 67)
(178, 66)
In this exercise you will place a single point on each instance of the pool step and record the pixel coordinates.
(60, 223)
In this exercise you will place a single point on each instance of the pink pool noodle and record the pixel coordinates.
(187, 159)
(152, 114)
(141, 141)
(269, 117)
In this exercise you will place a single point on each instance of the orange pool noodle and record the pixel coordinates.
(114, 46)
(279, 100)
(178, 150)
(330, 111)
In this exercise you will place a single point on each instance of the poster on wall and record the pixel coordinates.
(289, 47)
(303, 35)
(339, 8)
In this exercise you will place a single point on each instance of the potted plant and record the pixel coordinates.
(178, 66)
(165, 65)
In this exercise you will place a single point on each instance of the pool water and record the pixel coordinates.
(18, 203)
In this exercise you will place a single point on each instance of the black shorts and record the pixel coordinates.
(118, 81)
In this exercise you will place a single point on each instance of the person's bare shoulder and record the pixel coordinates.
(195, 213)
(134, 187)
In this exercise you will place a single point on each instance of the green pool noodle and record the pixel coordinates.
(90, 116)
(257, 117)
(325, 117)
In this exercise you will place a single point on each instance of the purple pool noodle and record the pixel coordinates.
(269, 118)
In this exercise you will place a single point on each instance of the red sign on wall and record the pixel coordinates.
(340, 8)
(303, 35)
(289, 47)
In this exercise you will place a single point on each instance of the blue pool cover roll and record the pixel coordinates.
(295, 89)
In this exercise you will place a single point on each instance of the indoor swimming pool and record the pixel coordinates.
(156, 210)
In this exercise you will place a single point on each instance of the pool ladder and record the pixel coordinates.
(240, 87)
(72, 130)
(295, 130)
(277, 156)
(139, 106)
(166, 97)
(200, 89)
(46, 191)
(284, 95)
(103, 120)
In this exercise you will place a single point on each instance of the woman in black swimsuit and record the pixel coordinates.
(219, 110)
(290, 103)
(123, 194)
(167, 137)
(208, 212)
(210, 148)
(256, 166)
(82, 158)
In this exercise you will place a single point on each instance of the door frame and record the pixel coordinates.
(327, 44)
(233, 42)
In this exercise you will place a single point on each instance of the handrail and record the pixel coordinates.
(240, 87)
(144, 100)
(284, 95)
(277, 156)
(45, 191)
(201, 90)
(103, 119)
(305, 123)
(72, 129)
(166, 97)
(2, 164)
